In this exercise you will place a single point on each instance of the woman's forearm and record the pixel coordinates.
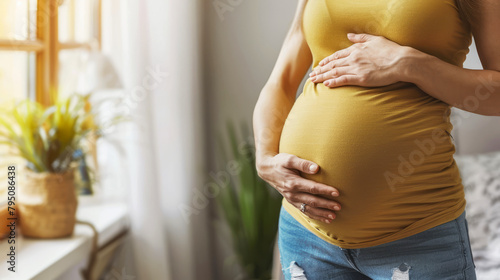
(271, 110)
(476, 91)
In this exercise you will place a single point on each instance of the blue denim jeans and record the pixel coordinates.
(442, 252)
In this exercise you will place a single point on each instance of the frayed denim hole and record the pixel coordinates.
(402, 272)
(296, 272)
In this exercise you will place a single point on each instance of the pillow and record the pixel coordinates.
(481, 179)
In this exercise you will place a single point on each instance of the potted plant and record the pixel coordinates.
(250, 208)
(47, 139)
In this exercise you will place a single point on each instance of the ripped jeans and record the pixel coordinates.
(442, 252)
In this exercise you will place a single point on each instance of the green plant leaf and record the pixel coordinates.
(250, 207)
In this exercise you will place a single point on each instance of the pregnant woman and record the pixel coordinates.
(364, 156)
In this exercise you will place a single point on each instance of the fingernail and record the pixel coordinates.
(312, 74)
(313, 167)
(331, 217)
(350, 34)
(327, 221)
(336, 208)
(335, 194)
(327, 83)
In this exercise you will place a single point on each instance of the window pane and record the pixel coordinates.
(84, 20)
(66, 21)
(15, 72)
(16, 18)
(31, 19)
(76, 21)
(71, 63)
(14, 76)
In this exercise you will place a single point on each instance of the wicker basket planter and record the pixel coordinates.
(47, 204)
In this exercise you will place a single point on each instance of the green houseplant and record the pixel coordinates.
(250, 208)
(47, 139)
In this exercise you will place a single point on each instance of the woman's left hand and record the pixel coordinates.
(370, 61)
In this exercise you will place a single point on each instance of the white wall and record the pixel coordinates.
(475, 133)
(241, 48)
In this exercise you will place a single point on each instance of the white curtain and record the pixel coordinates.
(155, 46)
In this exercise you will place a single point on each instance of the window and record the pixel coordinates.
(38, 39)
(41, 45)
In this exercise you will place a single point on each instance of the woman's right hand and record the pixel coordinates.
(282, 172)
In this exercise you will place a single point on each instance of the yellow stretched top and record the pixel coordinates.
(388, 149)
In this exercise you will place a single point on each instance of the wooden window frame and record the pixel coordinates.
(47, 47)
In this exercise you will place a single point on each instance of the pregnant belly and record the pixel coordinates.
(386, 149)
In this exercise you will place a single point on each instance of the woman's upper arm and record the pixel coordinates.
(294, 58)
(485, 32)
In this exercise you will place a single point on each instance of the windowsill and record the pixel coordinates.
(49, 258)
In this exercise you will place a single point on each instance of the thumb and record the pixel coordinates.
(359, 38)
(303, 165)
